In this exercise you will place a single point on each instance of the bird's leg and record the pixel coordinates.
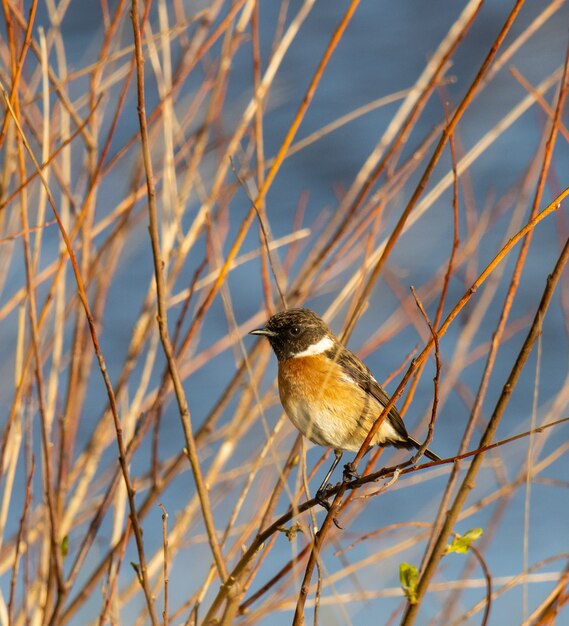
(321, 493)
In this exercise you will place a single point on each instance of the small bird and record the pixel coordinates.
(327, 391)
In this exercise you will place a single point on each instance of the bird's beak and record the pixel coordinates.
(263, 331)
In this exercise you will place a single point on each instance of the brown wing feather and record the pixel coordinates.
(360, 373)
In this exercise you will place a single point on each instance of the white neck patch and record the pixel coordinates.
(325, 344)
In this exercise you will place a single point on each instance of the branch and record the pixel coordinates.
(162, 319)
(470, 477)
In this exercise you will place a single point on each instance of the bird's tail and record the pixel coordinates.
(427, 453)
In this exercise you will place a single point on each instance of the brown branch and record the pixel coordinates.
(414, 365)
(18, 544)
(501, 326)
(455, 239)
(447, 132)
(338, 491)
(469, 479)
(317, 257)
(56, 564)
(384, 473)
(258, 139)
(547, 612)
(488, 577)
(275, 579)
(165, 566)
(336, 37)
(17, 65)
(456, 310)
(436, 379)
(263, 228)
(162, 318)
(103, 368)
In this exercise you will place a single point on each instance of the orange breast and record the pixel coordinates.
(314, 378)
(325, 404)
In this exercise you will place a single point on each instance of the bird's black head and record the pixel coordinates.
(297, 332)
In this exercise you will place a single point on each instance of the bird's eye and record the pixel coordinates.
(294, 331)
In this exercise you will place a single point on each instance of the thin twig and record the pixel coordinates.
(469, 479)
(488, 578)
(162, 319)
(436, 379)
(264, 231)
(166, 560)
(18, 543)
(102, 366)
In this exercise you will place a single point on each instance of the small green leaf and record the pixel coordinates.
(64, 546)
(409, 577)
(461, 543)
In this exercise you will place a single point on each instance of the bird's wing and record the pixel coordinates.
(360, 373)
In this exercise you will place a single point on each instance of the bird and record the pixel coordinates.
(327, 392)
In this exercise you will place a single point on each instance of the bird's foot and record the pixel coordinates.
(350, 472)
(322, 498)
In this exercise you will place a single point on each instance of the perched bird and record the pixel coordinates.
(327, 391)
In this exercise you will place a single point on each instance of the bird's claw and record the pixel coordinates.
(321, 497)
(350, 472)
